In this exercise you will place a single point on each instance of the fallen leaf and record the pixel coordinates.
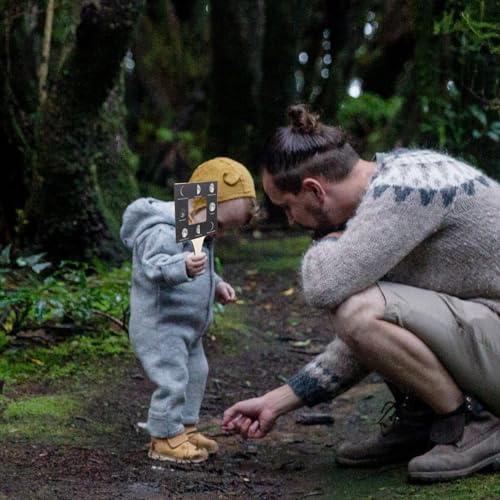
(288, 292)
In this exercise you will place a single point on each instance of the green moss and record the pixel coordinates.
(46, 418)
(52, 419)
(40, 406)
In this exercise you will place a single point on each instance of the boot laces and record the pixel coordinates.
(390, 417)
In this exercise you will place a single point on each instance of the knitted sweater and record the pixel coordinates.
(425, 220)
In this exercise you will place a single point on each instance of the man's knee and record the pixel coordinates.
(355, 316)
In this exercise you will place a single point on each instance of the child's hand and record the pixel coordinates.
(224, 293)
(196, 264)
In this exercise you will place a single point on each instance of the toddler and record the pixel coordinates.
(171, 305)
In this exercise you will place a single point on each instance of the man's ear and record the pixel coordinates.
(315, 187)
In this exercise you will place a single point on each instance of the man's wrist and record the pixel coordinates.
(282, 400)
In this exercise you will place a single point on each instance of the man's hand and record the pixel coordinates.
(196, 264)
(224, 293)
(251, 418)
(254, 418)
(334, 234)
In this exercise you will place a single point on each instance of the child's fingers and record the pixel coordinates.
(199, 257)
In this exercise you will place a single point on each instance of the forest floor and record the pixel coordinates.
(77, 436)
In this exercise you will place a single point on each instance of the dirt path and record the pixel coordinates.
(92, 448)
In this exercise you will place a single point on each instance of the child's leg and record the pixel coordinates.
(198, 372)
(165, 362)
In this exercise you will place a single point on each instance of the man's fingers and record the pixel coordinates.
(253, 430)
(245, 426)
(231, 417)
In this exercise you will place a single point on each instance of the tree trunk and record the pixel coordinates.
(236, 35)
(67, 215)
(343, 22)
(279, 62)
(18, 101)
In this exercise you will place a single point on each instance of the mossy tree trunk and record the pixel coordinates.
(80, 141)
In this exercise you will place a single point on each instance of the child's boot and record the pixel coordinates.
(177, 449)
(200, 440)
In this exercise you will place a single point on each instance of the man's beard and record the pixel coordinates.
(324, 226)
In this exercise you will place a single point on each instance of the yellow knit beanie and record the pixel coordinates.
(233, 180)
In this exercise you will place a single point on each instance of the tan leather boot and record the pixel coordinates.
(477, 447)
(404, 436)
(177, 449)
(200, 440)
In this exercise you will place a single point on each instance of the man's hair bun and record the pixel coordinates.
(302, 121)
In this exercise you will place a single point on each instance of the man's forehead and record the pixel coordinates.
(268, 184)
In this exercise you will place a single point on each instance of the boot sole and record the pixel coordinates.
(347, 462)
(164, 458)
(429, 477)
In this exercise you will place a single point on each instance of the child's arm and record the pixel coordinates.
(160, 257)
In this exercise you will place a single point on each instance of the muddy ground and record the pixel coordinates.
(95, 450)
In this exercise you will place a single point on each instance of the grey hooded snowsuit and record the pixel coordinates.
(169, 313)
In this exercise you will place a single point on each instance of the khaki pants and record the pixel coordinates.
(464, 335)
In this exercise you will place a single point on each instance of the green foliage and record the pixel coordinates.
(76, 296)
(457, 127)
(476, 34)
(465, 117)
(185, 141)
(367, 116)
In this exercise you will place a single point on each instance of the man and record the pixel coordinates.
(413, 284)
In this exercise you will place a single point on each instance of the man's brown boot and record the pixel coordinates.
(176, 449)
(200, 440)
(472, 445)
(405, 436)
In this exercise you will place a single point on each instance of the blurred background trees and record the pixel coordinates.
(105, 100)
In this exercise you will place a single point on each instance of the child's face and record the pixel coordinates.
(233, 214)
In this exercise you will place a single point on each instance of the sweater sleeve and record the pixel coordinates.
(160, 259)
(384, 230)
(217, 279)
(328, 375)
